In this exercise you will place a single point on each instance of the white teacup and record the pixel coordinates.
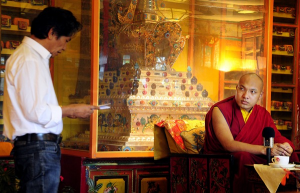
(281, 160)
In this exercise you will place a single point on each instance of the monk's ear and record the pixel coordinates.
(261, 94)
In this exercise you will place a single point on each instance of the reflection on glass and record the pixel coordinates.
(72, 76)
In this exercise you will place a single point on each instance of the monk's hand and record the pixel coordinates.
(282, 149)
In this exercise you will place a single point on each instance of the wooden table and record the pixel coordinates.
(256, 185)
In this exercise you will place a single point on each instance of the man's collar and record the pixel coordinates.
(37, 47)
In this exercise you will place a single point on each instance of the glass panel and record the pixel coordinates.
(171, 60)
(72, 75)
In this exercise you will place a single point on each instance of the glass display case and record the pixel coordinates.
(151, 61)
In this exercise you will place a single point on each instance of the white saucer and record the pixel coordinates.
(273, 165)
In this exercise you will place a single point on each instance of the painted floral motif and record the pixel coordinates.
(198, 175)
(220, 178)
(153, 187)
(110, 188)
(143, 121)
(179, 175)
(199, 140)
(110, 119)
(153, 119)
(185, 117)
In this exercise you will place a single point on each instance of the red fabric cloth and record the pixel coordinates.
(251, 133)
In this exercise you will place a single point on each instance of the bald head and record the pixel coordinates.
(254, 78)
(248, 91)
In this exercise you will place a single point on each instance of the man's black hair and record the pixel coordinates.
(62, 21)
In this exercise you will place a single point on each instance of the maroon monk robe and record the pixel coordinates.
(251, 133)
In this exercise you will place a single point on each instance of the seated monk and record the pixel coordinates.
(235, 125)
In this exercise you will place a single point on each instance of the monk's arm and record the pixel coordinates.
(224, 135)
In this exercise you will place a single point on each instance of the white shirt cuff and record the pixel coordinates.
(56, 117)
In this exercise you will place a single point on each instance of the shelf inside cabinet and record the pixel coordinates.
(285, 132)
(7, 51)
(289, 25)
(13, 30)
(1, 121)
(282, 85)
(280, 109)
(282, 127)
(283, 34)
(282, 53)
(282, 90)
(288, 72)
(283, 15)
(24, 6)
(1, 98)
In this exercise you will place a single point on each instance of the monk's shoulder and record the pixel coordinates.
(261, 110)
(225, 107)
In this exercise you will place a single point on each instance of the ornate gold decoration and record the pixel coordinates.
(169, 32)
(129, 15)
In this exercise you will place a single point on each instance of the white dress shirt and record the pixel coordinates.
(30, 103)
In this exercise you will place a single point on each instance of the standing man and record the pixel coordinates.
(32, 116)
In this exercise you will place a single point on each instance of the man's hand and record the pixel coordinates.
(80, 111)
(282, 149)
